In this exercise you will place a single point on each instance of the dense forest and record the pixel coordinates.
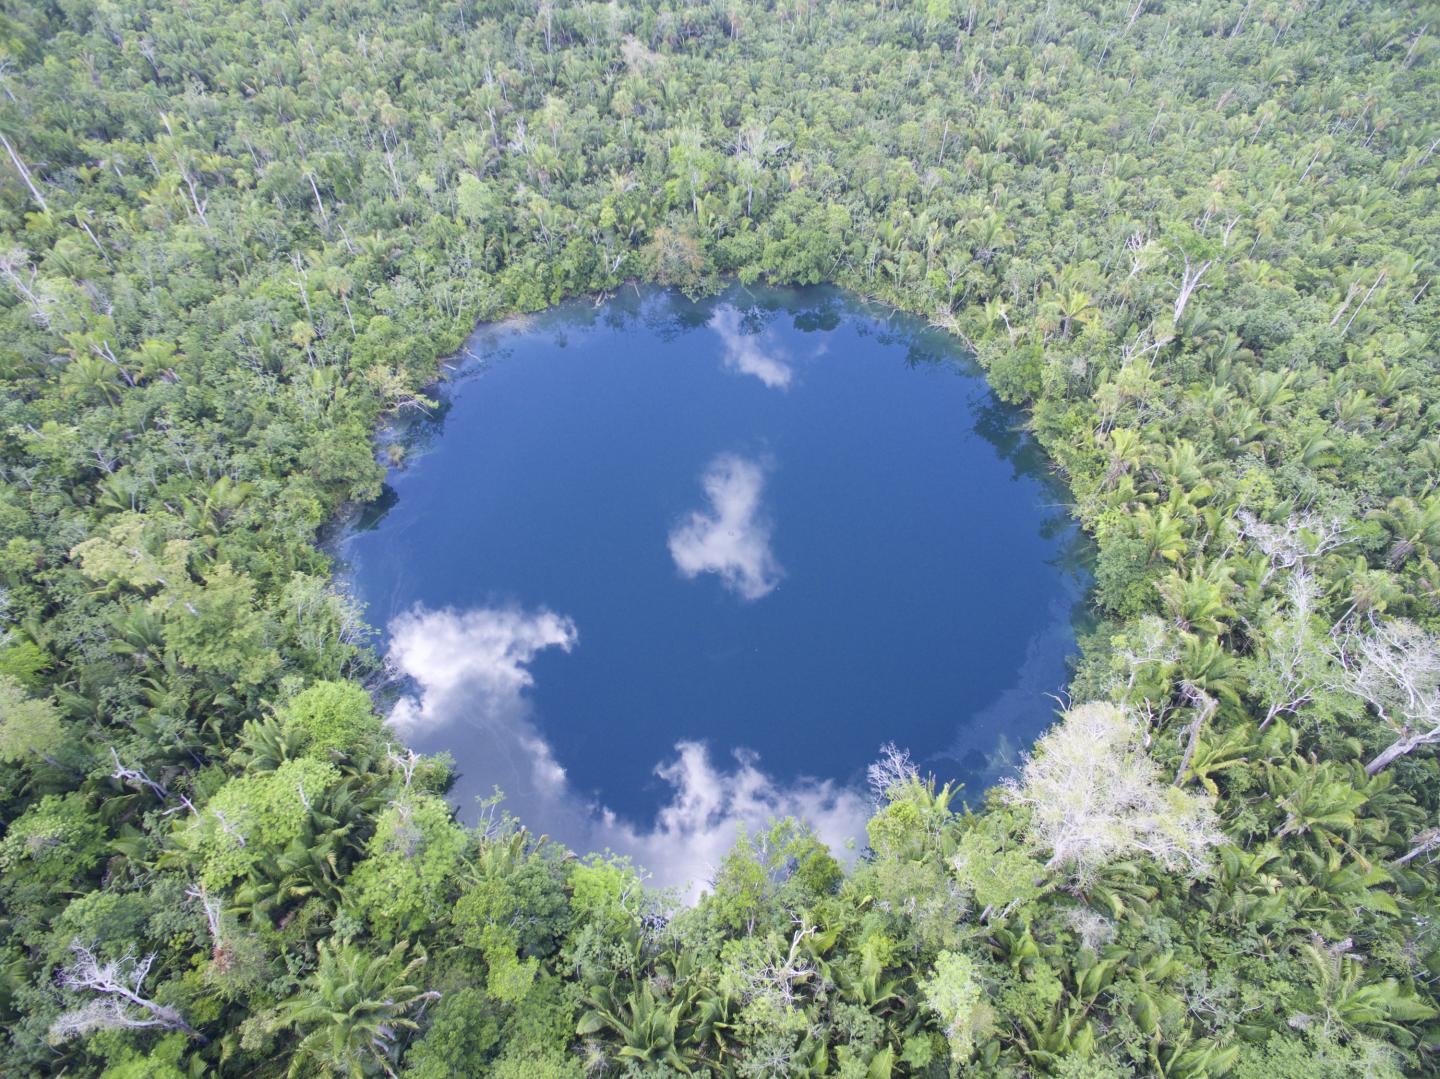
(1196, 241)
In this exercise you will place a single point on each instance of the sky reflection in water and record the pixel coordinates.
(661, 568)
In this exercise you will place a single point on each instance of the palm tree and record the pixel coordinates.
(1125, 449)
(1199, 601)
(1271, 390)
(1205, 663)
(1068, 308)
(90, 378)
(1414, 524)
(1319, 452)
(210, 508)
(1161, 534)
(1184, 470)
(647, 1026)
(1322, 801)
(354, 1010)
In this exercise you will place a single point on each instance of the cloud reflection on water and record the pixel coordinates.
(750, 353)
(733, 539)
(471, 668)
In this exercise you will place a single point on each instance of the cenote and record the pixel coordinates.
(657, 569)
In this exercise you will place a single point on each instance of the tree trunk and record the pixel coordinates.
(19, 164)
(1424, 843)
(1205, 706)
(1390, 755)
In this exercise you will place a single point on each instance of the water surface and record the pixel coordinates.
(659, 567)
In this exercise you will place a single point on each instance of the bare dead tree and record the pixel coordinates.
(15, 262)
(1350, 294)
(139, 778)
(894, 768)
(1135, 13)
(1137, 244)
(211, 907)
(1286, 675)
(222, 953)
(1204, 706)
(1189, 282)
(781, 979)
(118, 1003)
(1095, 797)
(405, 764)
(20, 167)
(1300, 538)
(1156, 647)
(319, 203)
(1422, 844)
(192, 185)
(1394, 667)
(1378, 280)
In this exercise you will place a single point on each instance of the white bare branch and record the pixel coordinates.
(118, 1003)
(212, 910)
(893, 769)
(1291, 666)
(1394, 667)
(20, 273)
(232, 830)
(1156, 646)
(1301, 538)
(1424, 843)
(139, 778)
(405, 764)
(24, 171)
(1189, 282)
(1094, 797)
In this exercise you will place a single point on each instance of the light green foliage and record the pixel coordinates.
(216, 628)
(410, 873)
(254, 817)
(519, 885)
(109, 921)
(908, 826)
(1094, 1066)
(954, 993)
(24, 662)
(995, 870)
(56, 841)
(548, 1063)
(134, 553)
(331, 716)
(1319, 1056)
(538, 1034)
(160, 1062)
(508, 976)
(785, 860)
(463, 1034)
(606, 893)
(28, 727)
(473, 199)
(323, 631)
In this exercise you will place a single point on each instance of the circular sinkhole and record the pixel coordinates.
(659, 568)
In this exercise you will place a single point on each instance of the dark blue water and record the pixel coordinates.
(781, 522)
